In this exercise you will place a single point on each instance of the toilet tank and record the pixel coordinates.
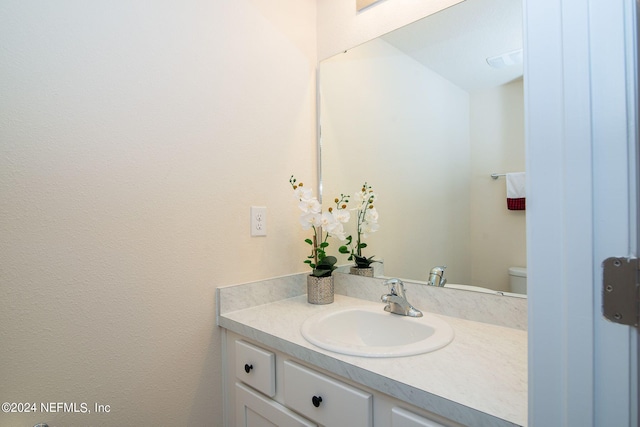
(518, 280)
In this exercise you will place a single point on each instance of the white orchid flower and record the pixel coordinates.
(371, 215)
(327, 221)
(368, 228)
(310, 205)
(309, 219)
(337, 231)
(341, 215)
(302, 193)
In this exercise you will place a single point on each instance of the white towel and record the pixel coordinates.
(516, 194)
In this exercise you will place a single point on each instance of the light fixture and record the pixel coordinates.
(506, 59)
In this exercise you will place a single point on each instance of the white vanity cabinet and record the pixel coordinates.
(267, 388)
(255, 385)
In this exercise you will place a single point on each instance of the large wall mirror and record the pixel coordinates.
(425, 114)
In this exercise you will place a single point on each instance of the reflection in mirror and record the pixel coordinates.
(361, 4)
(421, 116)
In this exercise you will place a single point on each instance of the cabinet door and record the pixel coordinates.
(256, 410)
(403, 418)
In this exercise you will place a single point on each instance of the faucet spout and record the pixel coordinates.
(397, 301)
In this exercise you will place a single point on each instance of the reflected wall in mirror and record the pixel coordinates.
(421, 116)
(361, 4)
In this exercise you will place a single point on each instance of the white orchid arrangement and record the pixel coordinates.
(367, 217)
(324, 225)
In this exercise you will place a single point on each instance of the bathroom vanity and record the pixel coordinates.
(276, 377)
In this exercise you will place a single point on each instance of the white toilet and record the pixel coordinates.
(518, 280)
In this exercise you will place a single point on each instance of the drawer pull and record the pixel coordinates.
(247, 367)
(316, 400)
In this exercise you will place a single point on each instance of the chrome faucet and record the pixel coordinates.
(436, 276)
(396, 300)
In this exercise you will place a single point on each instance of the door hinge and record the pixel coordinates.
(621, 290)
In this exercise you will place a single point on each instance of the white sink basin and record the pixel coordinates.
(372, 332)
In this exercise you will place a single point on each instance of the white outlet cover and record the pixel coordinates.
(258, 221)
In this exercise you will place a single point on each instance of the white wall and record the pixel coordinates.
(498, 235)
(134, 137)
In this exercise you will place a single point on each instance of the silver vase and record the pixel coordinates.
(361, 271)
(320, 289)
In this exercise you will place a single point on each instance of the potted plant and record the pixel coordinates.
(367, 223)
(324, 225)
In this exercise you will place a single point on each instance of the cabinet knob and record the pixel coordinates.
(316, 400)
(247, 367)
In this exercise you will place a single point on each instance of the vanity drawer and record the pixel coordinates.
(403, 418)
(325, 400)
(256, 367)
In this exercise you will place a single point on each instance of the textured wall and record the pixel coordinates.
(134, 137)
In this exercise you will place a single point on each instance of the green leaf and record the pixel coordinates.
(362, 245)
(363, 262)
(309, 241)
(328, 261)
(325, 267)
(324, 244)
(321, 273)
(343, 250)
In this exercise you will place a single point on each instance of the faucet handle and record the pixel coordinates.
(436, 276)
(396, 287)
(439, 269)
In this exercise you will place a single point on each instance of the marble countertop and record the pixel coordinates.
(479, 379)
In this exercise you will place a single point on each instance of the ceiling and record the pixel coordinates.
(457, 41)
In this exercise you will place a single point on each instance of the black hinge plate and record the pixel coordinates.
(620, 290)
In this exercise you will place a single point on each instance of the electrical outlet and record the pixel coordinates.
(258, 221)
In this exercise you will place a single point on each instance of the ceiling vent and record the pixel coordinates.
(506, 59)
